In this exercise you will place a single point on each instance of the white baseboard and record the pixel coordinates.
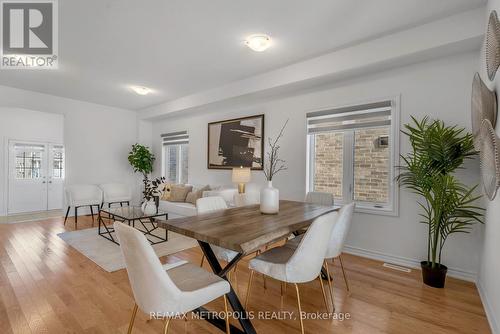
(494, 325)
(407, 262)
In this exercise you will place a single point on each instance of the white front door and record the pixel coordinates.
(35, 184)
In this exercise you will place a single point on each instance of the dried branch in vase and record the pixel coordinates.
(273, 164)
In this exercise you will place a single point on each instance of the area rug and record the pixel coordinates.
(107, 254)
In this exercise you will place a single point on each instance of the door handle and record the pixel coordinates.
(50, 181)
(44, 182)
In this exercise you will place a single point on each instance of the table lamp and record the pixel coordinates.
(241, 176)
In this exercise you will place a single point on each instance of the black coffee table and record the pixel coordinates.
(131, 216)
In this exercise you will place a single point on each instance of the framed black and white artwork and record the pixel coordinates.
(236, 142)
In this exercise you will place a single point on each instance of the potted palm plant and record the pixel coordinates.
(448, 206)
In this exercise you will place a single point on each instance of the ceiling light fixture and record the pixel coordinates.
(141, 90)
(258, 42)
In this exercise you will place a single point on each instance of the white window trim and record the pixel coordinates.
(393, 208)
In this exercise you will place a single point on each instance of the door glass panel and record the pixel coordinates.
(328, 156)
(58, 162)
(28, 161)
(371, 165)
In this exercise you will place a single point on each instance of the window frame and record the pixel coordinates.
(392, 208)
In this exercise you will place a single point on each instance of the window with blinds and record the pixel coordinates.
(352, 154)
(175, 156)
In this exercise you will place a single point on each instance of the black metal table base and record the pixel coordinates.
(236, 305)
(107, 231)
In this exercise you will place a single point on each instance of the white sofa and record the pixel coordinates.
(181, 209)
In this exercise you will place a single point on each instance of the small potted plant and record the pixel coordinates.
(152, 192)
(270, 196)
(448, 205)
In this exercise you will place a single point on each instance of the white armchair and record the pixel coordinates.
(169, 290)
(82, 195)
(115, 193)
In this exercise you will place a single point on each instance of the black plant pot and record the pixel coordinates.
(434, 277)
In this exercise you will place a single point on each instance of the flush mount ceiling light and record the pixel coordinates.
(258, 42)
(141, 90)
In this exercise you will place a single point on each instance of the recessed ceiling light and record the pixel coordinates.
(141, 90)
(258, 42)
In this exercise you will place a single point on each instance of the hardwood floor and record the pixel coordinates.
(48, 287)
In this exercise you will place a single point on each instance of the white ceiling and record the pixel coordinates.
(180, 47)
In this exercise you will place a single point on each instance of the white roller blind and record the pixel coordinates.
(352, 117)
(175, 138)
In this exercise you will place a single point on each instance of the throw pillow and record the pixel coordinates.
(178, 193)
(194, 195)
(167, 192)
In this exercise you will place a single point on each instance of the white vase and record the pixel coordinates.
(149, 207)
(269, 199)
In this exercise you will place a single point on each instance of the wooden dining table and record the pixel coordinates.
(243, 230)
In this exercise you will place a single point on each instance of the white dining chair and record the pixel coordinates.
(213, 204)
(115, 193)
(82, 195)
(335, 245)
(297, 265)
(321, 198)
(169, 290)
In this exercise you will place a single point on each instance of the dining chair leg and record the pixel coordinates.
(281, 294)
(92, 214)
(248, 289)
(330, 284)
(324, 294)
(235, 277)
(67, 213)
(76, 218)
(343, 273)
(202, 260)
(132, 319)
(167, 322)
(300, 309)
(228, 330)
(263, 276)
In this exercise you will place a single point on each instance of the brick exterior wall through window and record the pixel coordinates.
(328, 163)
(371, 164)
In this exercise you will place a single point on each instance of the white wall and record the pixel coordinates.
(97, 138)
(29, 125)
(439, 88)
(489, 275)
